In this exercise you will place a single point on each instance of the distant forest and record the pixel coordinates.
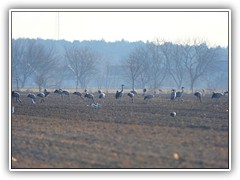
(38, 63)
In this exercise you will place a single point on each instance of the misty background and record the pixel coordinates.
(39, 63)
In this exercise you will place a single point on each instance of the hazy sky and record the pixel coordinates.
(132, 26)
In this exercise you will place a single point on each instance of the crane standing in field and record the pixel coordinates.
(119, 94)
(199, 94)
(46, 92)
(42, 96)
(101, 94)
(32, 97)
(173, 94)
(144, 91)
(16, 95)
(179, 94)
(78, 94)
(61, 92)
(226, 92)
(217, 95)
(134, 92)
(149, 96)
(90, 96)
(131, 95)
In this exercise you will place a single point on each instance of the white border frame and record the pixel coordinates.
(123, 10)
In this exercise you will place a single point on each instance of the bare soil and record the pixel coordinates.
(69, 133)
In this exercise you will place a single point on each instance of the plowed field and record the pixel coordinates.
(69, 133)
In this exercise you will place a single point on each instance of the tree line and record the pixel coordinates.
(154, 65)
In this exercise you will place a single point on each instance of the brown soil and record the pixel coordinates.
(69, 133)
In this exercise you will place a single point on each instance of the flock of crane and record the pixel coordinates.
(174, 95)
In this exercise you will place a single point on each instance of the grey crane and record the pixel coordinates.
(42, 96)
(131, 95)
(134, 92)
(96, 105)
(61, 92)
(66, 93)
(119, 94)
(78, 94)
(144, 91)
(179, 94)
(173, 94)
(90, 96)
(149, 96)
(16, 95)
(199, 94)
(32, 97)
(226, 92)
(46, 92)
(101, 94)
(217, 95)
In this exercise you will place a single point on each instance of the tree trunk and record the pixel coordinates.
(192, 84)
(39, 88)
(77, 82)
(133, 84)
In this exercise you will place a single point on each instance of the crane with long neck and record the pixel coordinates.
(119, 94)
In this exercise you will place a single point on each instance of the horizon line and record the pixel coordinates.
(163, 41)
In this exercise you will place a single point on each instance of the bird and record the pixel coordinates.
(33, 97)
(217, 95)
(17, 96)
(131, 95)
(78, 94)
(173, 94)
(149, 96)
(46, 92)
(57, 91)
(90, 96)
(101, 94)
(199, 94)
(119, 94)
(134, 92)
(41, 95)
(61, 92)
(66, 93)
(226, 92)
(179, 94)
(144, 91)
(96, 105)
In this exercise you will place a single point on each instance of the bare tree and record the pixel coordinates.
(134, 66)
(174, 62)
(17, 58)
(145, 73)
(157, 65)
(25, 55)
(198, 60)
(107, 75)
(82, 63)
(44, 72)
